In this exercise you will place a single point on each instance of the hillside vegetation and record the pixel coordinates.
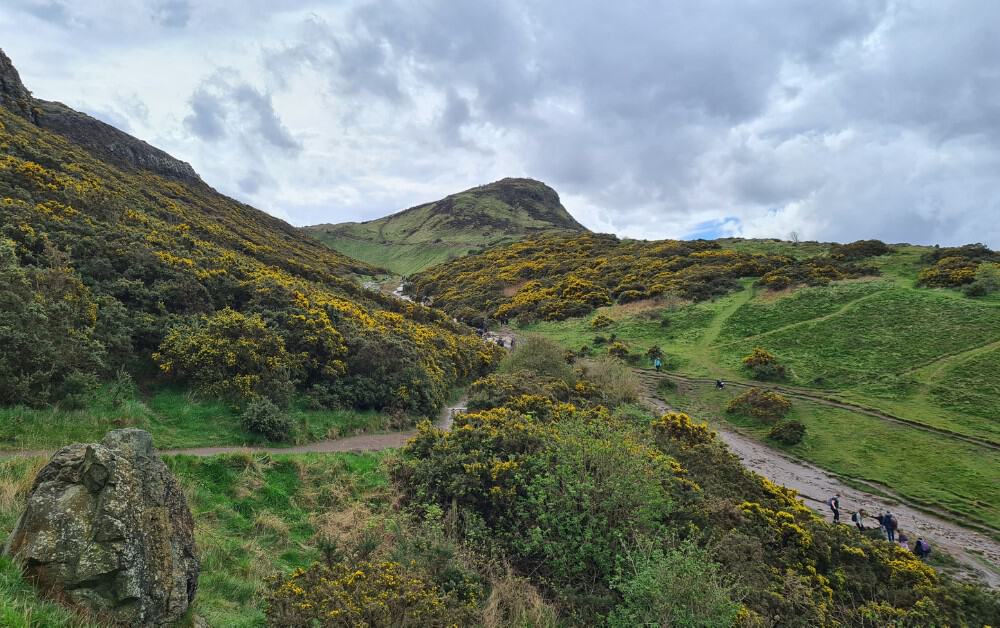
(557, 501)
(114, 273)
(868, 331)
(419, 237)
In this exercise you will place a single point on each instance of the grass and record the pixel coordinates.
(927, 355)
(927, 469)
(175, 418)
(256, 516)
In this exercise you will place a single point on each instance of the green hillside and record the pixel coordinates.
(128, 280)
(864, 329)
(419, 237)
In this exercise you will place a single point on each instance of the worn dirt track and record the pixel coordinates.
(977, 552)
(360, 443)
(815, 397)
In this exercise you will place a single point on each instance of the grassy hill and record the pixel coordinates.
(128, 280)
(878, 338)
(419, 237)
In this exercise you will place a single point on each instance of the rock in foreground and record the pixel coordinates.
(107, 527)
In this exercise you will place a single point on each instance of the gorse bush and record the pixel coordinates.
(554, 277)
(987, 280)
(615, 520)
(859, 249)
(363, 594)
(601, 321)
(763, 405)
(103, 267)
(957, 266)
(763, 365)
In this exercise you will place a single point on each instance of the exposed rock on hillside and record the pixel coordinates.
(102, 140)
(107, 527)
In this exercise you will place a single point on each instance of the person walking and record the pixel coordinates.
(834, 503)
(859, 519)
(657, 364)
(922, 549)
(891, 525)
(719, 384)
(904, 541)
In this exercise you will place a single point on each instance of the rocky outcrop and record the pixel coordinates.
(101, 140)
(108, 528)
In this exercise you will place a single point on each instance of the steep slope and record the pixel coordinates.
(114, 253)
(419, 237)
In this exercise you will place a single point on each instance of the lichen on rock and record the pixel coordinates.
(107, 527)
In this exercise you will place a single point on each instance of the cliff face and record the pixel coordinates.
(102, 140)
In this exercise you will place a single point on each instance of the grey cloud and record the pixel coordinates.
(172, 13)
(225, 106)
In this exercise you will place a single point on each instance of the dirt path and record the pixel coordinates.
(358, 444)
(814, 397)
(977, 552)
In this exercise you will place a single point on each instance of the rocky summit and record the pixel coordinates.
(107, 527)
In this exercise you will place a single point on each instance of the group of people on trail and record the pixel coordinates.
(887, 524)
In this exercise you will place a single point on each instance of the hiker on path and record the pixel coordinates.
(834, 503)
(719, 384)
(859, 519)
(657, 363)
(891, 525)
(922, 549)
(904, 541)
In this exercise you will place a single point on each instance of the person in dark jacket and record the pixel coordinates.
(891, 525)
(922, 549)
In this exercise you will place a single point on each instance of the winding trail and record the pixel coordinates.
(807, 395)
(977, 552)
(360, 443)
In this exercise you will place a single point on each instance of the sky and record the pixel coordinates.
(835, 120)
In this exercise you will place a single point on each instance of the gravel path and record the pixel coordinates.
(977, 552)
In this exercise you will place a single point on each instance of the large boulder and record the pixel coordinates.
(107, 527)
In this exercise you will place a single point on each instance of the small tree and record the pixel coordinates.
(262, 417)
(764, 365)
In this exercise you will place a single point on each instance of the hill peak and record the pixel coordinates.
(98, 138)
(418, 237)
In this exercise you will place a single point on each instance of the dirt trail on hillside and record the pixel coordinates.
(815, 397)
(357, 444)
(977, 552)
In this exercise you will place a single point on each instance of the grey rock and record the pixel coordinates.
(107, 527)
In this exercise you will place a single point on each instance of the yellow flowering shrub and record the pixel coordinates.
(366, 593)
(679, 427)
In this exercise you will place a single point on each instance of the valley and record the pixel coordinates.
(654, 444)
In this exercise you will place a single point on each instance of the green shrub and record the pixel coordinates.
(788, 432)
(859, 249)
(614, 381)
(987, 281)
(539, 355)
(678, 587)
(764, 405)
(262, 417)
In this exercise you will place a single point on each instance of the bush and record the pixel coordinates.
(678, 427)
(764, 405)
(764, 365)
(600, 322)
(788, 432)
(987, 281)
(363, 594)
(262, 417)
(655, 352)
(859, 249)
(678, 587)
(618, 350)
(231, 355)
(538, 355)
(614, 381)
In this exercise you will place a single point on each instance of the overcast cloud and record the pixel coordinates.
(836, 120)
